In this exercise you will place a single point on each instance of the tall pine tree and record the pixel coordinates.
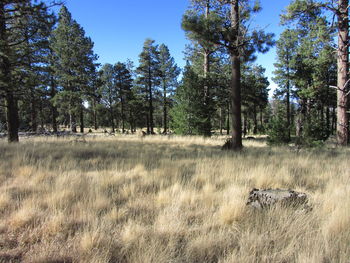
(227, 27)
(149, 78)
(73, 65)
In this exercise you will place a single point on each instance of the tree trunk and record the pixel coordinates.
(12, 120)
(221, 121)
(53, 108)
(41, 114)
(228, 120)
(206, 70)
(255, 113)
(261, 121)
(334, 121)
(165, 128)
(328, 121)
(147, 123)
(82, 119)
(151, 126)
(33, 110)
(122, 104)
(72, 123)
(288, 104)
(342, 65)
(236, 141)
(245, 125)
(12, 117)
(112, 119)
(95, 114)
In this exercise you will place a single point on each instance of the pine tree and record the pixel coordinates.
(123, 82)
(187, 113)
(35, 71)
(168, 75)
(312, 67)
(205, 50)
(19, 22)
(254, 93)
(109, 92)
(149, 77)
(297, 11)
(228, 29)
(286, 51)
(73, 65)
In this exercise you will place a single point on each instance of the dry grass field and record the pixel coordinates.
(168, 199)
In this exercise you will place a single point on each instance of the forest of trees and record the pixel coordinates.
(50, 79)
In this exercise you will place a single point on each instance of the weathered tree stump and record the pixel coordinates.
(265, 198)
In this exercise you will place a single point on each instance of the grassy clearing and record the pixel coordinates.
(168, 199)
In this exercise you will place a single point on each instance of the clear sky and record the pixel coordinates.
(119, 27)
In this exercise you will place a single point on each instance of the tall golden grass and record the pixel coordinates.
(168, 199)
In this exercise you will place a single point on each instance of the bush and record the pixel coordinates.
(278, 129)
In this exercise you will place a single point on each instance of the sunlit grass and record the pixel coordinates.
(168, 199)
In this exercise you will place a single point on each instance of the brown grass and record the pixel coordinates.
(168, 199)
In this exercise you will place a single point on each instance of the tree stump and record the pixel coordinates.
(265, 198)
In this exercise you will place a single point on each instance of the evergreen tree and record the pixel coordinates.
(227, 27)
(35, 71)
(109, 92)
(254, 94)
(123, 82)
(149, 78)
(312, 67)
(19, 23)
(277, 132)
(187, 113)
(286, 52)
(204, 51)
(168, 75)
(73, 65)
(299, 9)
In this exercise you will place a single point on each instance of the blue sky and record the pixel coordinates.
(119, 27)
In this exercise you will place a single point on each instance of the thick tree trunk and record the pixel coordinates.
(11, 117)
(236, 103)
(245, 125)
(342, 64)
(236, 141)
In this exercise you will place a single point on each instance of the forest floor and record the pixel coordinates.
(168, 199)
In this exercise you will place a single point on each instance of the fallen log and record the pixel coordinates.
(265, 198)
